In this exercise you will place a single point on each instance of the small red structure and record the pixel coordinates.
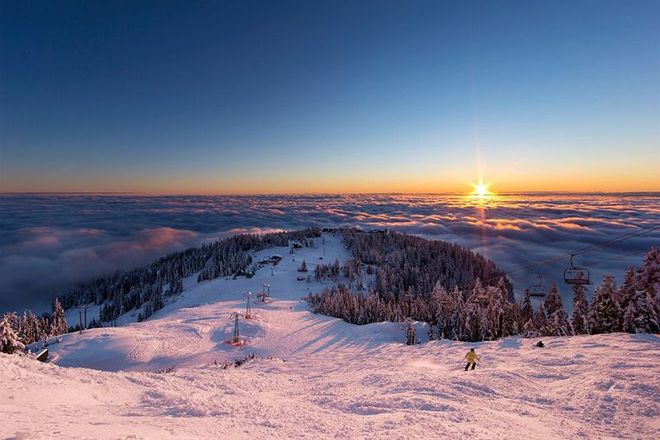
(236, 340)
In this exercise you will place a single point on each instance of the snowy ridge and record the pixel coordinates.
(316, 376)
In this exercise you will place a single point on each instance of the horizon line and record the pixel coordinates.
(255, 194)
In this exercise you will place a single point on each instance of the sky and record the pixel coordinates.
(329, 97)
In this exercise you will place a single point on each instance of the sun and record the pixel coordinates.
(481, 189)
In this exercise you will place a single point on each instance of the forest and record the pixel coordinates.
(390, 276)
(462, 296)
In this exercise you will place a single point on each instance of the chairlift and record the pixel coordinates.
(576, 275)
(538, 290)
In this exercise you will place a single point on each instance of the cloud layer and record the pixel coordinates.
(50, 242)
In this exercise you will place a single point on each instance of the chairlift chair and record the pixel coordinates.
(576, 275)
(538, 290)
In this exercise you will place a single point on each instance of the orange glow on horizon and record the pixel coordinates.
(481, 190)
(407, 180)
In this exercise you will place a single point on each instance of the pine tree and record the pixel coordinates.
(640, 316)
(431, 334)
(580, 313)
(556, 318)
(59, 325)
(529, 329)
(540, 319)
(176, 286)
(627, 291)
(30, 328)
(526, 310)
(441, 309)
(648, 280)
(410, 333)
(454, 329)
(629, 315)
(476, 324)
(9, 342)
(511, 325)
(605, 315)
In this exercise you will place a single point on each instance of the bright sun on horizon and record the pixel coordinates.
(481, 189)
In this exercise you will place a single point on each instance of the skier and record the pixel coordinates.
(472, 359)
(540, 344)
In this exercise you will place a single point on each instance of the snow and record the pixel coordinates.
(316, 376)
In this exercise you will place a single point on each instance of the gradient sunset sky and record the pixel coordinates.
(337, 96)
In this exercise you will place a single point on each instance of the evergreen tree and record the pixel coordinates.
(605, 315)
(431, 334)
(526, 310)
(30, 328)
(539, 319)
(176, 286)
(9, 342)
(557, 320)
(627, 291)
(511, 320)
(629, 316)
(529, 329)
(59, 325)
(410, 333)
(648, 280)
(640, 316)
(580, 313)
(441, 309)
(454, 329)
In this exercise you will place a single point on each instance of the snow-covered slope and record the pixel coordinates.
(316, 376)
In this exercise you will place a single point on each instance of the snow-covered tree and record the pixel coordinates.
(539, 319)
(580, 313)
(59, 325)
(30, 328)
(176, 286)
(511, 320)
(454, 328)
(556, 318)
(529, 329)
(497, 305)
(526, 310)
(648, 280)
(605, 315)
(9, 342)
(626, 292)
(410, 333)
(475, 324)
(630, 316)
(640, 316)
(441, 309)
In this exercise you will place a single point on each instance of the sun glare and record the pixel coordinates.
(481, 190)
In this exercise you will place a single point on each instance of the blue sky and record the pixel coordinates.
(217, 97)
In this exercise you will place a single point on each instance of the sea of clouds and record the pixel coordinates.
(50, 242)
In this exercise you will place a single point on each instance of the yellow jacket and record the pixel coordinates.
(471, 357)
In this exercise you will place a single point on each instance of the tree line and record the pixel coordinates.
(18, 331)
(425, 281)
(147, 288)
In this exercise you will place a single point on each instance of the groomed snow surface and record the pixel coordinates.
(319, 377)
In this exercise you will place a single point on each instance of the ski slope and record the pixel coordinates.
(316, 376)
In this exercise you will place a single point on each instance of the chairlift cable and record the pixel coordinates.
(627, 236)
